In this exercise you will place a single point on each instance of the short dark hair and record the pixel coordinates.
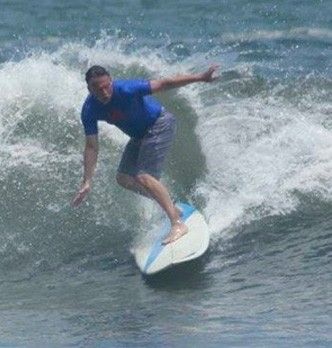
(94, 71)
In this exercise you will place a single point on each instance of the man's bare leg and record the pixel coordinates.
(148, 186)
(130, 183)
(159, 192)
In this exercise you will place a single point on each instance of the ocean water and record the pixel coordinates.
(253, 153)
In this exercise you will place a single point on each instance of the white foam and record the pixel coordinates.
(258, 154)
(292, 33)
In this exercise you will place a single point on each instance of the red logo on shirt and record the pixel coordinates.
(116, 115)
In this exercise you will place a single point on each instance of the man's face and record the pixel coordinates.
(101, 88)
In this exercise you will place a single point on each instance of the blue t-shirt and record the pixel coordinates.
(131, 109)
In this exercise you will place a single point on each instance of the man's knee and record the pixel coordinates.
(124, 180)
(144, 179)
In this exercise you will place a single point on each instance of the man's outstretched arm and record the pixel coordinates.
(90, 161)
(183, 80)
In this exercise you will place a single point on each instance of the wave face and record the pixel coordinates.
(253, 153)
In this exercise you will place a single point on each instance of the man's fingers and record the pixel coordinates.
(213, 68)
(79, 198)
(209, 73)
(76, 201)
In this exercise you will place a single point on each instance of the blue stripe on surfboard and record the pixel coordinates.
(157, 246)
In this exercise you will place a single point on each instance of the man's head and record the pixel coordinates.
(99, 83)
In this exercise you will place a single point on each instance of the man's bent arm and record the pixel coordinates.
(182, 80)
(90, 157)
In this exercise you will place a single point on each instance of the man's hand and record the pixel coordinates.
(207, 76)
(81, 194)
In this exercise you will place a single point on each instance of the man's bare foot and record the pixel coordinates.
(178, 230)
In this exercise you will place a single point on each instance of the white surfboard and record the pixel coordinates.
(152, 256)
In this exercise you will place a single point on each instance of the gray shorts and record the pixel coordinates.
(148, 154)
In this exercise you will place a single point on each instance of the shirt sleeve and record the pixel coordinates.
(139, 87)
(89, 121)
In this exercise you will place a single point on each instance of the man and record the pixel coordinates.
(128, 105)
